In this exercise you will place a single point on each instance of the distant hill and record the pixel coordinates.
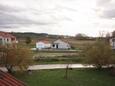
(23, 35)
(29, 34)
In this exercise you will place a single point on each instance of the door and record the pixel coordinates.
(57, 46)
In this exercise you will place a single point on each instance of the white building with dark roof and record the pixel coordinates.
(59, 44)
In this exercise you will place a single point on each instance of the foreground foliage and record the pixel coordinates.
(14, 58)
(99, 54)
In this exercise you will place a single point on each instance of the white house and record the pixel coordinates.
(59, 44)
(6, 38)
(112, 43)
(43, 45)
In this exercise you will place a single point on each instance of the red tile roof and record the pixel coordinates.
(44, 41)
(6, 35)
(8, 80)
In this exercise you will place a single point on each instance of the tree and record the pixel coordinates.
(28, 40)
(108, 37)
(14, 58)
(99, 54)
(113, 34)
(81, 36)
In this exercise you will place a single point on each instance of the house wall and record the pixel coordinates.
(58, 44)
(48, 45)
(61, 46)
(5, 41)
(112, 43)
(2, 40)
(42, 45)
(9, 41)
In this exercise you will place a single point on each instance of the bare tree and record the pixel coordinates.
(15, 57)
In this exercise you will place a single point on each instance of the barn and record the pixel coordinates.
(59, 44)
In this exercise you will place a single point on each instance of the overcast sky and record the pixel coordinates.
(67, 17)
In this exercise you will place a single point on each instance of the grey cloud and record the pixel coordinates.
(109, 13)
(67, 8)
(107, 8)
(56, 12)
(9, 20)
(61, 18)
(45, 17)
(103, 2)
(6, 8)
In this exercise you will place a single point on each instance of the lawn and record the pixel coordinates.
(77, 77)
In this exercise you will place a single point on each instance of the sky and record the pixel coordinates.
(63, 17)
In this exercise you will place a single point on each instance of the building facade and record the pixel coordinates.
(7, 39)
(43, 45)
(59, 44)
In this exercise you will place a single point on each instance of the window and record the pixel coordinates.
(7, 40)
(53, 45)
(1, 41)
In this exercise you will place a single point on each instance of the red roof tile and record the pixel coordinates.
(6, 35)
(8, 80)
(44, 41)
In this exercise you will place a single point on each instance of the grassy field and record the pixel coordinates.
(56, 58)
(52, 57)
(73, 60)
(77, 77)
(80, 44)
(77, 44)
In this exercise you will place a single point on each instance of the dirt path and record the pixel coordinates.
(58, 66)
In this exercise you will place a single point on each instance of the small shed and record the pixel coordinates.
(59, 44)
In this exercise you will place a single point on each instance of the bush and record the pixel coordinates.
(99, 54)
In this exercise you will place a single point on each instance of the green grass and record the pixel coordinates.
(56, 62)
(77, 77)
(56, 58)
(59, 60)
